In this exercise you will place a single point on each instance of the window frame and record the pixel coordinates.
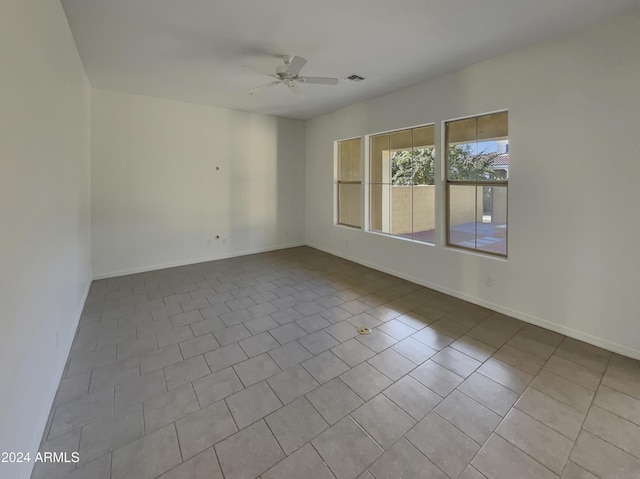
(448, 183)
(369, 184)
(339, 182)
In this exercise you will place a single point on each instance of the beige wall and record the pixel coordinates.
(412, 208)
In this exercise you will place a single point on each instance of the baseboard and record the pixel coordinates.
(572, 333)
(56, 378)
(186, 262)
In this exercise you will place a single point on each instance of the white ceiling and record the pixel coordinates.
(194, 50)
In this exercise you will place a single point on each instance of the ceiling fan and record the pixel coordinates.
(287, 74)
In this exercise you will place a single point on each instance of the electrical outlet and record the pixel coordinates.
(489, 281)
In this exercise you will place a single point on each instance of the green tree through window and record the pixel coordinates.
(416, 167)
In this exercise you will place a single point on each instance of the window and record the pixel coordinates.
(477, 166)
(349, 182)
(401, 183)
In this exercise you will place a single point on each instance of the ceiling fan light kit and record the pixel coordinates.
(288, 74)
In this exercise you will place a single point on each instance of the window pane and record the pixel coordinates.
(492, 219)
(354, 197)
(461, 131)
(379, 201)
(423, 136)
(461, 150)
(461, 162)
(399, 140)
(400, 210)
(344, 204)
(356, 160)
(344, 161)
(424, 166)
(423, 156)
(492, 162)
(493, 127)
(401, 167)
(423, 213)
(462, 215)
(379, 155)
(478, 151)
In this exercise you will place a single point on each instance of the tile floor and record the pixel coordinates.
(252, 367)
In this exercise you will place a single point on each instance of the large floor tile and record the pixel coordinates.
(472, 418)
(540, 442)
(253, 403)
(452, 450)
(318, 342)
(347, 449)
(289, 355)
(224, 357)
(383, 420)
(164, 408)
(414, 350)
(204, 428)
(352, 352)
(186, 371)
(102, 437)
(563, 390)
(265, 452)
(147, 457)
(455, 361)
(256, 369)
(403, 460)
(618, 403)
(585, 377)
(292, 383)
(325, 366)
(258, 344)
(204, 464)
(295, 424)
(82, 411)
(502, 373)
(392, 364)
(489, 393)
(550, 411)
(603, 459)
(499, 459)
(216, 386)
(305, 462)
(437, 378)
(613, 429)
(413, 397)
(365, 380)
(334, 400)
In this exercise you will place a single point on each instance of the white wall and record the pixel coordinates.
(574, 114)
(157, 198)
(44, 214)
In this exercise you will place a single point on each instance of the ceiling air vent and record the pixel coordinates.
(355, 78)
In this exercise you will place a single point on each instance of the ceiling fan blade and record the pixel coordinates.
(296, 90)
(318, 80)
(295, 65)
(259, 71)
(263, 87)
